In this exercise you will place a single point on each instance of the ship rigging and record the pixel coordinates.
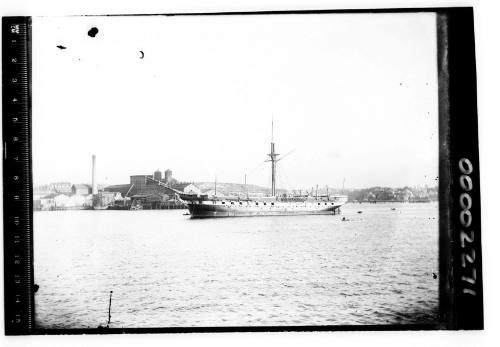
(204, 206)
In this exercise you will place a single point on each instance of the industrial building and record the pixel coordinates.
(81, 189)
(144, 191)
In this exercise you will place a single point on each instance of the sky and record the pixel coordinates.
(353, 97)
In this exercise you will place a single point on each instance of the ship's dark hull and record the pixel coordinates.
(218, 211)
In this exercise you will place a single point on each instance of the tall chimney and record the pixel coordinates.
(94, 183)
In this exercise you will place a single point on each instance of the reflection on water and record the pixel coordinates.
(167, 270)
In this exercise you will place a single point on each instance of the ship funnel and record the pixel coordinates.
(94, 183)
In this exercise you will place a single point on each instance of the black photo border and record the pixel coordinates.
(460, 267)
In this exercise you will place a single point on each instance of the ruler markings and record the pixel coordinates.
(18, 269)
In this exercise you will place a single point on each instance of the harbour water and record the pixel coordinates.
(166, 270)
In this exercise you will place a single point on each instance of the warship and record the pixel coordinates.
(205, 206)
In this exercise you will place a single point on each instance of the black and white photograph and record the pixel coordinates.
(243, 170)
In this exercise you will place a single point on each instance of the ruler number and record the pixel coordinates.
(17, 108)
(14, 29)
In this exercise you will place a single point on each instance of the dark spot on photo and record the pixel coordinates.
(93, 32)
(61, 47)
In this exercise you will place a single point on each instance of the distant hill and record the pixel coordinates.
(415, 194)
(234, 188)
(362, 195)
(365, 194)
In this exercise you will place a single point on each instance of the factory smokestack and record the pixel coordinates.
(94, 183)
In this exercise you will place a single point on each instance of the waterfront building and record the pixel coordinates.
(145, 190)
(61, 201)
(81, 189)
(157, 175)
(76, 201)
(103, 199)
(88, 201)
(61, 187)
(168, 176)
(47, 202)
(140, 181)
(123, 189)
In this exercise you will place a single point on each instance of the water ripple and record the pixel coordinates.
(166, 270)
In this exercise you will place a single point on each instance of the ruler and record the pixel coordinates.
(17, 175)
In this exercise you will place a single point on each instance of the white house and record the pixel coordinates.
(88, 201)
(47, 202)
(61, 201)
(76, 201)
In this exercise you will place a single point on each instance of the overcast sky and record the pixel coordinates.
(353, 95)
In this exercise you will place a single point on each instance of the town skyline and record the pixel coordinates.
(67, 195)
(102, 185)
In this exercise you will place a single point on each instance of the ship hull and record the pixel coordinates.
(207, 210)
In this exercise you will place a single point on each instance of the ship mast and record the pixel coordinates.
(273, 159)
